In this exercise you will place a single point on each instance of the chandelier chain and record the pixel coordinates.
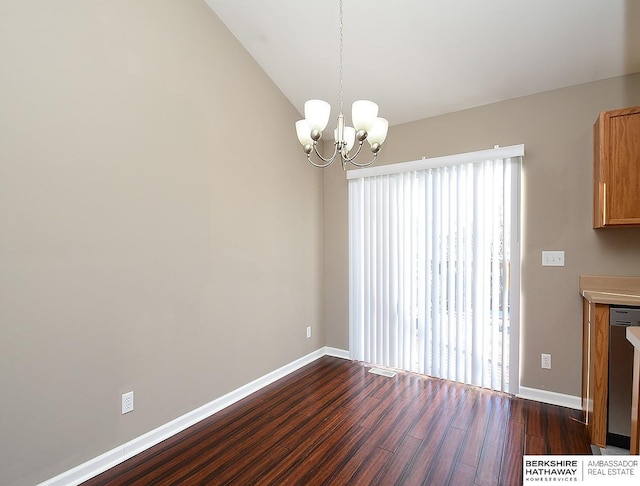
(341, 34)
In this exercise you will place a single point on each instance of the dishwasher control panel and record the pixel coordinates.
(624, 316)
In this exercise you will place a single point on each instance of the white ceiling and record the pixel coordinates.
(420, 58)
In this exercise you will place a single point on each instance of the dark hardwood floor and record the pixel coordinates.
(332, 422)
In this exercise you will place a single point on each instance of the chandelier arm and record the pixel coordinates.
(352, 158)
(330, 159)
(327, 161)
(319, 166)
(366, 164)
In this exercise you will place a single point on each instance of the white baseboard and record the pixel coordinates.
(115, 456)
(336, 352)
(550, 397)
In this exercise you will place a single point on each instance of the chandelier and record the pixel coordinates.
(366, 126)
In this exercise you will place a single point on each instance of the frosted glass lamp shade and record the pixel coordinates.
(317, 112)
(364, 114)
(349, 137)
(378, 132)
(304, 132)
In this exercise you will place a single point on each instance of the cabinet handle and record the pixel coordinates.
(604, 203)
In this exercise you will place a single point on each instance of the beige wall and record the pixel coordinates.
(555, 128)
(160, 230)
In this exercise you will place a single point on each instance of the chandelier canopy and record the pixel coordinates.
(366, 126)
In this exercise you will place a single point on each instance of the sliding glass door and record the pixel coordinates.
(434, 267)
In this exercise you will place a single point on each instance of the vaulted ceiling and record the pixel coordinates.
(420, 58)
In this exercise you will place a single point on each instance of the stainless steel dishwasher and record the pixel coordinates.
(620, 375)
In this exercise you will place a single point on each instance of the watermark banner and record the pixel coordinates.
(583, 470)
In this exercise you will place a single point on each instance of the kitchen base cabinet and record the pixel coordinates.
(595, 365)
(599, 293)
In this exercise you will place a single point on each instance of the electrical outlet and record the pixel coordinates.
(553, 258)
(127, 402)
(308, 332)
(546, 361)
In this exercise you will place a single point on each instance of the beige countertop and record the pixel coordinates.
(633, 336)
(610, 290)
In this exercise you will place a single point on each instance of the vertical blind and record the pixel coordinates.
(434, 266)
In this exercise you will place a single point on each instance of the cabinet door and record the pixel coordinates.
(617, 168)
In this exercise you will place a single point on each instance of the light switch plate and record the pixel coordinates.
(553, 258)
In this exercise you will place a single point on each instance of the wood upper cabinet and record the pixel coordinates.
(616, 175)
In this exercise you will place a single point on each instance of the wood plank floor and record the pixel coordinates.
(332, 422)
